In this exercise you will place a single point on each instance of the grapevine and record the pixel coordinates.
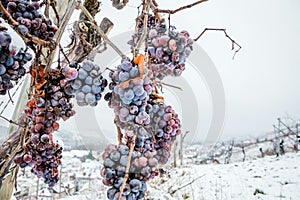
(147, 127)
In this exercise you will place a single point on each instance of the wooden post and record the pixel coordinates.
(59, 195)
(278, 140)
(174, 152)
(37, 188)
(182, 137)
(297, 137)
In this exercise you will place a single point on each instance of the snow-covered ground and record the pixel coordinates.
(267, 178)
(277, 178)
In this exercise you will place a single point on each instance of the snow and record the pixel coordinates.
(277, 178)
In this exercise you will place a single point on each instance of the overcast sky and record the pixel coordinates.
(261, 83)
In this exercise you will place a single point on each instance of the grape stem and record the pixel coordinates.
(157, 10)
(223, 30)
(145, 15)
(51, 3)
(128, 165)
(99, 31)
(4, 11)
(119, 135)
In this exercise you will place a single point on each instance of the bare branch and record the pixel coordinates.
(53, 5)
(62, 51)
(178, 9)
(11, 121)
(145, 14)
(224, 30)
(185, 134)
(8, 92)
(172, 192)
(47, 6)
(169, 85)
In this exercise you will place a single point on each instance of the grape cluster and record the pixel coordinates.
(168, 51)
(89, 84)
(144, 119)
(50, 103)
(151, 23)
(142, 168)
(166, 125)
(138, 90)
(12, 62)
(30, 19)
(130, 103)
(5, 2)
(159, 135)
(44, 158)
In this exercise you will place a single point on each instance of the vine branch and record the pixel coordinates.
(223, 30)
(128, 165)
(11, 121)
(157, 10)
(145, 14)
(4, 11)
(173, 191)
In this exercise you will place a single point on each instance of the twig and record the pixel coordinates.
(224, 30)
(145, 15)
(128, 165)
(11, 121)
(10, 97)
(62, 51)
(52, 4)
(100, 32)
(157, 10)
(4, 11)
(47, 5)
(185, 134)
(173, 86)
(172, 192)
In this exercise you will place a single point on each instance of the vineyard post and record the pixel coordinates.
(182, 137)
(174, 153)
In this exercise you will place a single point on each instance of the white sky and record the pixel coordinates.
(262, 83)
